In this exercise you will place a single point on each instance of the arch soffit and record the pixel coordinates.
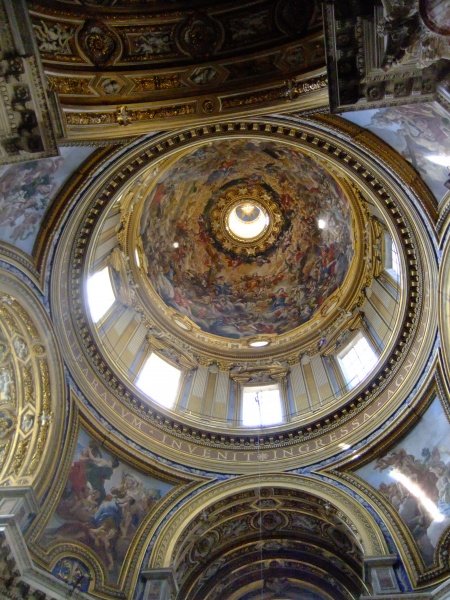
(370, 535)
(32, 388)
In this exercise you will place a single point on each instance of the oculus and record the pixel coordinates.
(244, 219)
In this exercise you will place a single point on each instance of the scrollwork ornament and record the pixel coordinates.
(99, 42)
(200, 36)
(19, 457)
(8, 421)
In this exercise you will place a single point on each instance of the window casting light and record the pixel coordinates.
(261, 407)
(100, 294)
(159, 380)
(258, 343)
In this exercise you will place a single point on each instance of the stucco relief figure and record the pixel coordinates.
(153, 42)
(249, 26)
(21, 348)
(102, 504)
(122, 276)
(54, 38)
(27, 422)
(409, 41)
(6, 383)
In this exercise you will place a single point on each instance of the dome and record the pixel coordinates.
(223, 332)
(246, 237)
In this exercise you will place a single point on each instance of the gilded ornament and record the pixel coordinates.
(200, 36)
(99, 42)
(157, 82)
(253, 98)
(69, 85)
(4, 350)
(208, 105)
(89, 118)
(123, 117)
(19, 456)
(250, 375)
(4, 450)
(28, 385)
(7, 421)
(224, 365)
(235, 213)
(43, 367)
(165, 112)
(292, 90)
(25, 317)
(38, 349)
(8, 319)
(45, 419)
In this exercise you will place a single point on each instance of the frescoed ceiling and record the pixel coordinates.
(229, 285)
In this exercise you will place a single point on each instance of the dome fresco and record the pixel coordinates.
(232, 284)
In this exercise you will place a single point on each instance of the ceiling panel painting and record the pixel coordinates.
(102, 505)
(419, 132)
(27, 190)
(235, 284)
(415, 477)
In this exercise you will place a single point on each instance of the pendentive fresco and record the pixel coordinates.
(103, 503)
(419, 132)
(415, 477)
(27, 190)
